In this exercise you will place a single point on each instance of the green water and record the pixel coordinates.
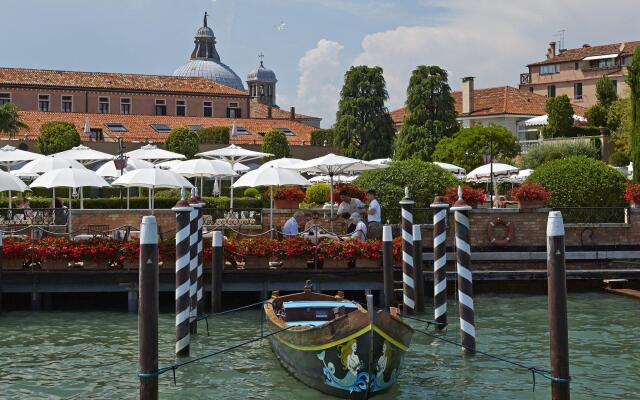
(81, 355)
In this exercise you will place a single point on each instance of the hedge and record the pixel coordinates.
(545, 152)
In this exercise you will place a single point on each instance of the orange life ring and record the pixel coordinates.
(506, 239)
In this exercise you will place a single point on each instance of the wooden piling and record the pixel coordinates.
(408, 283)
(148, 308)
(1, 266)
(418, 276)
(216, 272)
(557, 294)
(194, 202)
(200, 282)
(439, 207)
(387, 266)
(183, 284)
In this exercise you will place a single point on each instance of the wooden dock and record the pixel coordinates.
(617, 286)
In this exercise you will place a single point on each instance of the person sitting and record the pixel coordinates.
(60, 213)
(351, 227)
(349, 204)
(313, 225)
(360, 233)
(290, 228)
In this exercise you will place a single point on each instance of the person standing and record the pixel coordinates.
(349, 204)
(374, 216)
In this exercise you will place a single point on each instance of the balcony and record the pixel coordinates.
(525, 78)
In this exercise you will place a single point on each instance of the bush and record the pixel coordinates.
(424, 179)
(579, 130)
(352, 190)
(619, 159)
(530, 191)
(214, 135)
(560, 120)
(472, 196)
(276, 143)
(286, 193)
(545, 152)
(251, 193)
(320, 136)
(597, 115)
(581, 182)
(317, 193)
(183, 141)
(57, 136)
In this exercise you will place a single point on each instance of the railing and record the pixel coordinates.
(525, 78)
(10, 217)
(594, 215)
(237, 217)
(526, 145)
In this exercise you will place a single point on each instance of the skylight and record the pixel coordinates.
(195, 127)
(161, 128)
(241, 130)
(286, 131)
(115, 127)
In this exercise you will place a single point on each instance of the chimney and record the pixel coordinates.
(551, 52)
(269, 115)
(293, 113)
(467, 95)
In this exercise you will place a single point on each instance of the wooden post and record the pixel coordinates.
(200, 287)
(440, 261)
(216, 273)
(557, 293)
(387, 266)
(418, 276)
(193, 262)
(408, 284)
(148, 308)
(1, 266)
(183, 284)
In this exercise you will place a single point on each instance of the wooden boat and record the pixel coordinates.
(332, 345)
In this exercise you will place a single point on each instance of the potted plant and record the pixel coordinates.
(473, 197)
(632, 194)
(530, 195)
(288, 197)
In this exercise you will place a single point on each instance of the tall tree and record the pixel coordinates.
(606, 92)
(430, 115)
(183, 140)
(275, 142)
(560, 117)
(364, 128)
(57, 136)
(10, 120)
(633, 80)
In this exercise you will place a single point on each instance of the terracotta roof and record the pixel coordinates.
(259, 110)
(586, 51)
(111, 81)
(138, 126)
(497, 101)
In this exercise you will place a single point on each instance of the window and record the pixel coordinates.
(161, 107)
(195, 127)
(233, 111)
(577, 91)
(125, 105)
(207, 110)
(530, 89)
(241, 130)
(625, 60)
(96, 135)
(5, 98)
(181, 108)
(576, 66)
(43, 102)
(66, 104)
(602, 63)
(615, 84)
(160, 128)
(549, 69)
(286, 131)
(116, 127)
(551, 91)
(103, 105)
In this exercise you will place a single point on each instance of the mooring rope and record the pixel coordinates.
(429, 322)
(205, 317)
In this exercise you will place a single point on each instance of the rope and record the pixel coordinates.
(205, 316)
(429, 322)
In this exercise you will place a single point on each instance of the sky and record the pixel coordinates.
(310, 44)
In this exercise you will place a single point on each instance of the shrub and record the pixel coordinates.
(545, 152)
(581, 182)
(286, 193)
(560, 119)
(530, 191)
(276, 143)
(424, 179)
(183, 141)
(352, 190)
(321, 136)
(579, 130)
(317, 193)
(471, 196)
(57, 136)
(251, 193)
(597, 115)
(214, 135)
(619, 159)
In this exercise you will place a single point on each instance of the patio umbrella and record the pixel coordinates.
(109, 170)
(281, 162)
(10, 182)
(46, 164)
(454, 169)
(84, 155)
(152, 178)
(10, 155)
(75, 178)
(201, 168)
(240, 168)
(380, 161)
(336, 179)
(233, 154)
(168, 164)
(485, 173)
(271, 176)
(216, 187)
(541, 120)
(152, 153)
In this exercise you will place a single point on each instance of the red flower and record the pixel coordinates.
(472, 196)
(530, 191)
(632, 194)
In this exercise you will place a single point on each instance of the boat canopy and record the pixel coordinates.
(318, 304)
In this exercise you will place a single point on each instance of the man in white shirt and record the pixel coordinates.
(290, 228)
(349, 204)
(374, 213)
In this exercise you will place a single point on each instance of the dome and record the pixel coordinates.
(214, 71)
(262, 74)
(205, 31)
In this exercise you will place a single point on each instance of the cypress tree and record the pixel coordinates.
(633, 80)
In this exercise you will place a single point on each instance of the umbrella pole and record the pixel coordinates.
(10, 199)
(53, 199)
(81, 198)
(231, 190)
(271, 211)
(69, 216)
(149, 199)
(331, 198)
(127, 197)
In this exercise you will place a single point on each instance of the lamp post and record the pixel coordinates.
(488, 159)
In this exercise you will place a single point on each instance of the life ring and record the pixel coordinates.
(506, 239)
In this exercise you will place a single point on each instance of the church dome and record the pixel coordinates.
(262, 74)
(205, 61)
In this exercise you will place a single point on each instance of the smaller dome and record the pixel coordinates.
(262, 74)
(205, 31)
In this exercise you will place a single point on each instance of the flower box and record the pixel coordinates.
(530, 204)
(287, 204)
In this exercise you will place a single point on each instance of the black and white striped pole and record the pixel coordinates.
(1, 265)
(183, 283)
(387, 266)
(440, 261)
(216, 272)
(465, 277)
(418, 275)
(200, 286)
(193, 262)
(408, 283)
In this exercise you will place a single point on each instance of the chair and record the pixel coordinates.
(97, 230)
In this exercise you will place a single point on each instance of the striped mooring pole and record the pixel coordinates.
(408, 284)
(148, 309)
(1, 266)
(183, 283)
(465, 277)
(418, 275)
(440, 261)
(557, 294)
(194, 202)
(216, 272)
(200, 286)
(387, 266)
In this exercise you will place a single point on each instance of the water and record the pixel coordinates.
(65, 355)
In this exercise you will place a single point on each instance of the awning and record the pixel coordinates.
(602, 57)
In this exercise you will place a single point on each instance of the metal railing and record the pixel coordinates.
(33, 216)
(525, 78)
(594, 215)
(237, 217)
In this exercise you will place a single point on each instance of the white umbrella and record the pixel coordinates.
(201, 168)
(271, 176)
(109, 170)
(70, 177)
(233, 154)
(520, 177)
(46, 164)
(152, 153)
(336, 179)
(380, 161)
(10, 155)
(216, 187)
(10, 182)
(240, 168)
(451, 168)
(541, 120)
(84, 155)
(485, 172)
(168, 164)
(281, 162)
(152, 178)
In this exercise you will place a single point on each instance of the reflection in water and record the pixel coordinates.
(64, 354)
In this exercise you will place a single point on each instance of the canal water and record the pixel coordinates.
(80, 355)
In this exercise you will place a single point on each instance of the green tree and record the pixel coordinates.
(57, 136)
(560, 117)
(546, 152)
(619, 123)
(276, 143)
(10, 120)
(633, 80)
(467, 146)
(430, 115)
(322, 137)
(606, 91)
(597, 115)
(364, 128)
(182, 140)
(214, 135)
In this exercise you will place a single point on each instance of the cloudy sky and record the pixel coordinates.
(310, 43)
